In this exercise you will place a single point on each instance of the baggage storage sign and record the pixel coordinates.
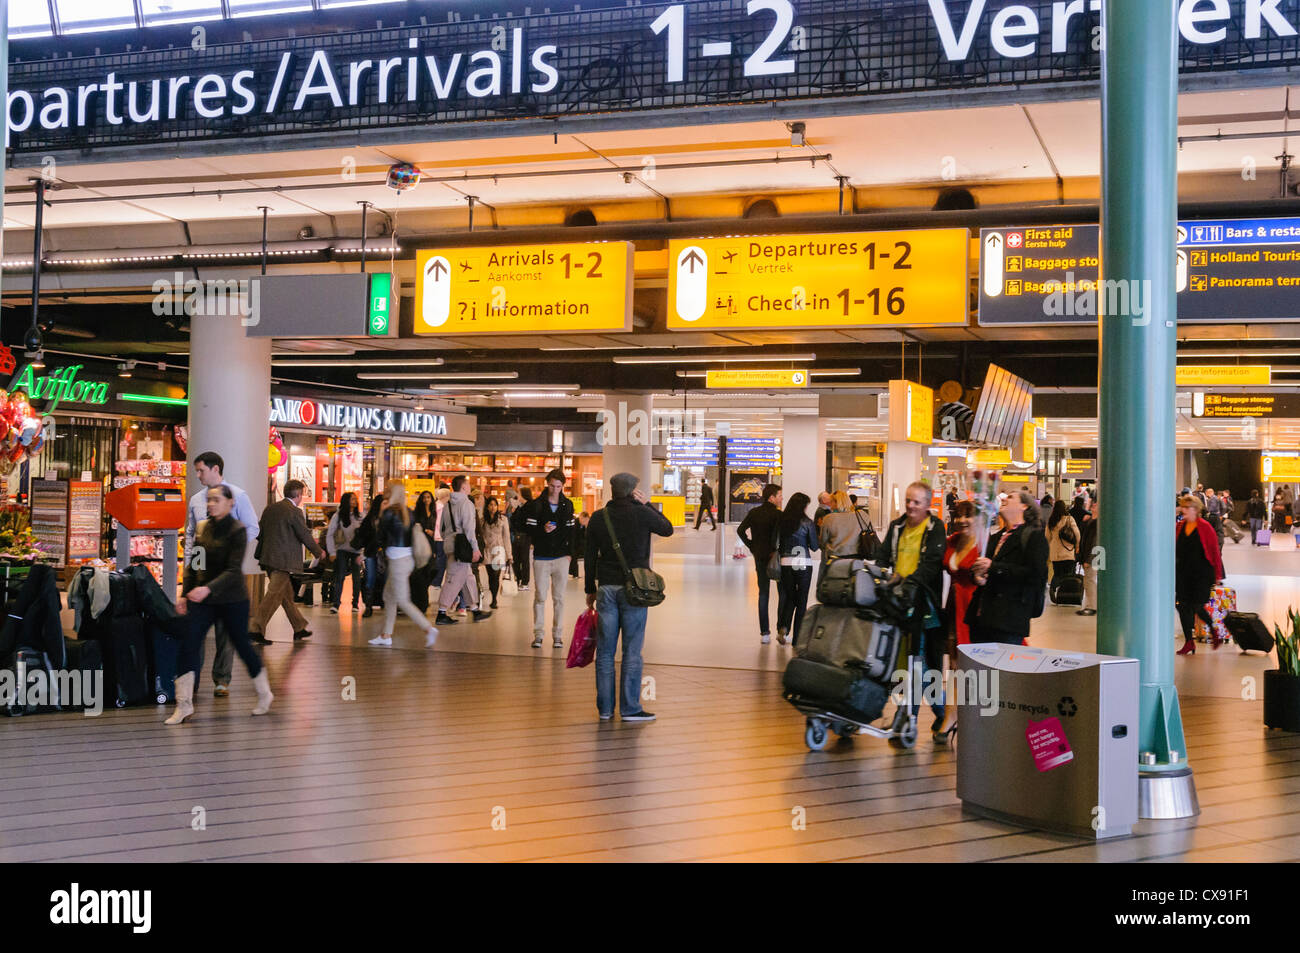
(835, 280)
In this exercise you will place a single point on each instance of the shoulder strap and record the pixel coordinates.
(613, 538)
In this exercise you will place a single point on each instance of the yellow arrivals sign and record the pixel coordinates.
(911, 412)
(988, 459)
(524, 289)
(760, 379)
(837, 280)
(1280, 469)
(1230, 375)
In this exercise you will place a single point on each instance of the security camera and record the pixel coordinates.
(32, 341)
(797, 130)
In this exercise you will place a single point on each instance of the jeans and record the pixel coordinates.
(764, 590)
(374, 581)
(1255, 527)
(614, 614)
(345, 564)
(549, 576)
(792, 597)
(397, 595)
(223, 663)
(201, 617)
(439, 563)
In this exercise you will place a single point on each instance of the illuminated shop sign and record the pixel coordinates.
(583, 61)
(60, 384)
(344, 417)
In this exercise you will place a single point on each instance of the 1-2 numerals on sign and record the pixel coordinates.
(759, 63)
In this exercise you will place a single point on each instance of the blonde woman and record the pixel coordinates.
(395, 527)
(842, 528)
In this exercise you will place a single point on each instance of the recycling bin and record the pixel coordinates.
(1048, 739)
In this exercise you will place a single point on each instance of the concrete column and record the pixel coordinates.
(1139, 213)
(902, 465)
(626, 438)
(230, 400)
(803, 456)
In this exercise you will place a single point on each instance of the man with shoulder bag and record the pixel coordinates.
(620, 587)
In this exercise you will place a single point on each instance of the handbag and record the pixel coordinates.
(461, 550)
(583, 647)
(773, 567)
(868, 541)
(421, 550)
(641, 587)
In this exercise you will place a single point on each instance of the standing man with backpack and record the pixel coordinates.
(618, 543)
(548, 521)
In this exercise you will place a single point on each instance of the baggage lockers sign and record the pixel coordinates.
(1228, 270)
(1279, 469)
(524, 289)
(1241, 406)
(837, 280)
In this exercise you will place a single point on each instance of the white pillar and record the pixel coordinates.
(626, 436)
(902, 465)
(230, 401)
(803, 456)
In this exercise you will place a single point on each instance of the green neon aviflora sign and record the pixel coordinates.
(60, 384)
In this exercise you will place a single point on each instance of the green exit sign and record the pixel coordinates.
(381, 302)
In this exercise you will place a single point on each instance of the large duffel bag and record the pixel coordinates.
(846, 582)
(125, 647)
(1068, 590)
(843, 691)
(849, 638)
(1249, 632)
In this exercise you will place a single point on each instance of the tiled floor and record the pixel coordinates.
(475, 751)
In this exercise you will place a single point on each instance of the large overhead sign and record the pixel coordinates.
(1245, 405)
(1279, 469)
(586, 61)
(1225, 375)
(1227, 270)
(722, 379)
(835, 280)
(524, 289)
(357, 421)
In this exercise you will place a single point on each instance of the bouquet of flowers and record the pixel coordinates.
(17, 541)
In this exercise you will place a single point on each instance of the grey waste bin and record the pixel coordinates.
(1048, 739)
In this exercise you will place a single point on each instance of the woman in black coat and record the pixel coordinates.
(422, 579)
(1011, 577)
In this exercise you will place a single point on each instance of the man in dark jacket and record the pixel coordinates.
(756, 531)
(283, 534)
(913, 547)
(706, 506)
(548, 521)
(633, 520)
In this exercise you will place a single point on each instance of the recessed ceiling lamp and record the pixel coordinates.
(716, 359)
(449, 376)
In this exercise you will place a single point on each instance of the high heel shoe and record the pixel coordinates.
(942, 737)
(1189, 648)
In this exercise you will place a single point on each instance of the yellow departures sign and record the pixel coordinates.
(1210, 375)
(848, 279)
(764, 378)
(524, 289)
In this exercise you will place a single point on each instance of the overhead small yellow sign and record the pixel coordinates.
(988, 459)
(911, 412)
(524, 289)
(1027, 451)
(1229, 375)
(849, 279)
(1280, 469)
(763, 378)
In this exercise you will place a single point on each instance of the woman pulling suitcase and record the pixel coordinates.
(214, 589)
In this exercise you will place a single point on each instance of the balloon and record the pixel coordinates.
(17, 453)
(31, 427)
(37, 442)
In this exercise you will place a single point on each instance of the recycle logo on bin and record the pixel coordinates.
(1066, 707)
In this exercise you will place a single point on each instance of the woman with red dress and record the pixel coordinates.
(958, 558)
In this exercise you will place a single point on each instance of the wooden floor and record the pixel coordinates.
(438, 745)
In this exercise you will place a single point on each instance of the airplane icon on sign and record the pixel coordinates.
(728, 255)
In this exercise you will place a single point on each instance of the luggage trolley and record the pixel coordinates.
(820, 690)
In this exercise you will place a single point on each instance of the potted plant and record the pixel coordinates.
(1282, 684)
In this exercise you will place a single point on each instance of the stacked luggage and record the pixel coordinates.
(846, 654)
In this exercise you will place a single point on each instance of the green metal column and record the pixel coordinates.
(1139, 214)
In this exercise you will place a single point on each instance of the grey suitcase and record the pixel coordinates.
(851, 639)
(846, 582)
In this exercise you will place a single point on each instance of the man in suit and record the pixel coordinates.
(283, 534)
(706, 506)
(210, 467)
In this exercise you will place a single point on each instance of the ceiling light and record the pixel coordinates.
(344, 365)
(717, 359)
(504, 387)
(125, 369)
(449, 376)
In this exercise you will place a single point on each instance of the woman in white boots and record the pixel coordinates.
(214, 589)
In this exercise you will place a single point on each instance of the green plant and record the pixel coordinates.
(1288, 644)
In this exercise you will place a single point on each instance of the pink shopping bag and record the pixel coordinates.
(583, 647)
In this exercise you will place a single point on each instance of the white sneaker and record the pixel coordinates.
(382, 640)
(430, 637)
(766, 638)
(557, 642)
(537, 642)
(334, 610)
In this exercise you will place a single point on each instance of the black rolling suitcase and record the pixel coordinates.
(1069, 591)
(126, 661)
(85, 659)
(32, 693)
(1249, 632)
(166, 653)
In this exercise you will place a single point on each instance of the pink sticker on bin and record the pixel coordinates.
(1048, 744)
